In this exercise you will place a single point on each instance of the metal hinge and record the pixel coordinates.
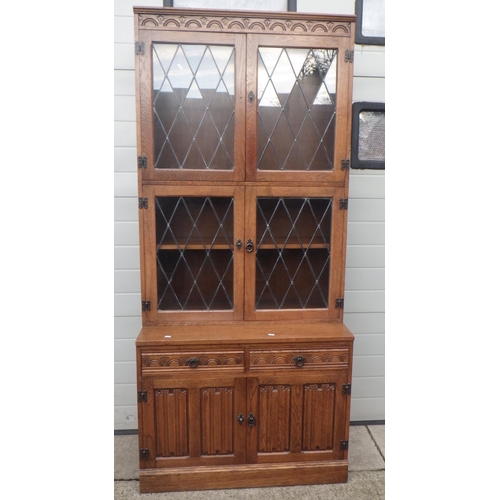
(142, 162)
(142, 396)
(143, 203)
(345, 164)
(346, 389)
(344, 445)
(146, 305)
(343, 204)
(144, 453)
(139, 48)
(349, 56)
(339, 303)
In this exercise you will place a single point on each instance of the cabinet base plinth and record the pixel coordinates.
(242, 476)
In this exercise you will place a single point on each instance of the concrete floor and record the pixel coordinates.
(366, 475)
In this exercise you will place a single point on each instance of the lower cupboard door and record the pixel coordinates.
(296, 422)
(193, 422)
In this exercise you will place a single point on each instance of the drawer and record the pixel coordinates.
(193, 360)
(266, 359)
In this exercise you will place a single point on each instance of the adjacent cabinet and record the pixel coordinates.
(243, 361)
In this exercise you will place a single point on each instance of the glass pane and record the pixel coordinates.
(371, 136)
(276, 5)
(293, 252)
(193, 106)
(194, 253)
(373, 18)
(296, 113)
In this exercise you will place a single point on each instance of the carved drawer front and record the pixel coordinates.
(265, 359)
(190, 361)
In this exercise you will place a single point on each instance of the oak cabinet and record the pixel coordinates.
(243, 362)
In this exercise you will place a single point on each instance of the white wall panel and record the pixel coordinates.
(364, 279)
(124, 56)
(367, 409)
(124, 393)
(126, 416)
(124, 29)
(125, 134)
(326, 6)
(365, 233)
(368, 366)
(366, 186)
(127, 257)
(126, 233)
(368, 63)
(368, 387)
(126, 184)
(362, 210)
(128, 327)
(126, 209)
(124, 108)
(368, 89)
(125, 372)
(127, 281)
(124, 350)
(365, 322)
(128, 304)
(124, 82)
(126, 159)
(365, 256)
(364, 301)
(367, 344)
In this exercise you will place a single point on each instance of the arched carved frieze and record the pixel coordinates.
(256, 23)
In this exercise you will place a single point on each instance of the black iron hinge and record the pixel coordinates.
(346, 389)
(142, 162)
(344, 445)
(339, 303)
(146, 305)
(345, 164)
(142, 396)
(144, 453)
(349, 56)
(143, 203)
(343, 204)
(139, 48)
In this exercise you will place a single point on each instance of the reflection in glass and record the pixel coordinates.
(297, 101)
(193, 106)
(371, 135)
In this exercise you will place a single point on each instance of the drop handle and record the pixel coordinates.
(299, 361)
(249, 246)
(241, 418)
(239, 244)
(251, 97)
(251, 420)
(193, 362)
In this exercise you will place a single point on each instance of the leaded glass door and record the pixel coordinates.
(194, 261)
(294, 266)
(192, 123)
(297, 109)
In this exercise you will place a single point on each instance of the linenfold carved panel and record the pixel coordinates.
(253, 23)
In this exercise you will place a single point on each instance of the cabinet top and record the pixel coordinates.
(256, 332)
(244, 21)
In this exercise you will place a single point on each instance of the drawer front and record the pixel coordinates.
(265, 359)
(191, 361)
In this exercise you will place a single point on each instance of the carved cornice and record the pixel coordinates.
(243, 22)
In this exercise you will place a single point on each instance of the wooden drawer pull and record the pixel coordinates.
(299, 361)
(193, 362)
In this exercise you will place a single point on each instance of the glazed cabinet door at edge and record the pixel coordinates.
(193, 263)
(191, 106)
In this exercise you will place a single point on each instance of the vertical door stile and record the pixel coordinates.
(337, 270)
(239, 253)
(240, 132)
(149, 249)
(251, 109)
(250, 266)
